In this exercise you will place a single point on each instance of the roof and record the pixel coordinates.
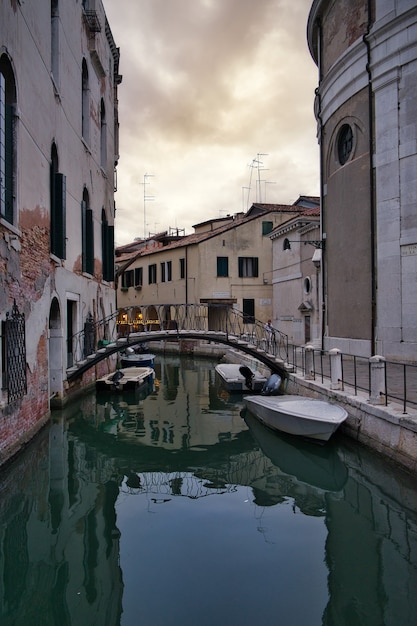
(195, 238)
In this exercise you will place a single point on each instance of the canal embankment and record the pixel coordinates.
(385, 428)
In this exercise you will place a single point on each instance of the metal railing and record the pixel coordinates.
(400, 379)
(134, 324)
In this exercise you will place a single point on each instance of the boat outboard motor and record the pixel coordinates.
(247, 374)
(272, 385)
(116, 377)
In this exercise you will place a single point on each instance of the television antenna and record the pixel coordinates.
(256, 164)
(146, 198)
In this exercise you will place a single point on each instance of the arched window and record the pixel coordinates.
(58, 207)
(85, 105)
(103, 136)
(87, 234)
(7, 139)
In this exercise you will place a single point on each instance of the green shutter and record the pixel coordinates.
(84, 235)
(8, 213)
(89, 242)
(110, 253)
(58, 217)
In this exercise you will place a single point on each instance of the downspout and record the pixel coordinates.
(371, 178)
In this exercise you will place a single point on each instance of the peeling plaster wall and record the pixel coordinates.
(47, 112)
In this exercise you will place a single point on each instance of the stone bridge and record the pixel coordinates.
(205, 323)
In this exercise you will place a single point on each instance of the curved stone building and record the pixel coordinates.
(366, 110)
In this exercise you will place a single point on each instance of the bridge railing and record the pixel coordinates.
(133, 321)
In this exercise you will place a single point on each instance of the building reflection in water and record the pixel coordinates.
(59, 539)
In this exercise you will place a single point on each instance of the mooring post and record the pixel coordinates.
(335, 368)
(378, 390)
(310, 373)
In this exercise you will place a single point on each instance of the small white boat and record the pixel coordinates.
(240, 378)
(137, 356)
(144, 359)
(297, 415)
(125, 379)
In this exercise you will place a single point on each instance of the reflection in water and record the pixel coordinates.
(166, 507)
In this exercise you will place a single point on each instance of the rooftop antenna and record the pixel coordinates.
(260, 164)
(146, 199)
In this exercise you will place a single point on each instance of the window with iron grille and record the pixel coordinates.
(14, 355)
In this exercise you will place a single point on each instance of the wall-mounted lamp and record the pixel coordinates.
(312, 242)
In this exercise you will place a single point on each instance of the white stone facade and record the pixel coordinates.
(368, 80)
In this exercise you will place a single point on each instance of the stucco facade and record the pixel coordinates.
(225, 262)
(366, 111)
(58, 150)
(296, 278)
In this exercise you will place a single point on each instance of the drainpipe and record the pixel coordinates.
(371, 177)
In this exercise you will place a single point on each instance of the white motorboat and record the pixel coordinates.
(297, 415)
(240, 378)
(317, 466)
(138, 356)
(142, 359)
(125, 379)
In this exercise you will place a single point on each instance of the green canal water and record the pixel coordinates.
(171, 507)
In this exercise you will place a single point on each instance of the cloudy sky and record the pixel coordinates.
(208, 85)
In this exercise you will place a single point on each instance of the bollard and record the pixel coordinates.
(335, 368)
(378, 391)
(310, 373)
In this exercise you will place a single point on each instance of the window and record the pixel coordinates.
(307, 285)
(222, 266)
(152, 274)
(87, 233)
(344, 143)
(182, 268)
(248, 311)
(127, 279)
(138, 277)
(85, 104)
(248, 267)
(7, 144)
(58, 207)
(166, 271)
(266, 228)
(107, 248)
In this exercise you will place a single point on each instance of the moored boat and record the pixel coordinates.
(240, 378)
(125, 379)
(145, 359)
(137, 356)
(297, 415)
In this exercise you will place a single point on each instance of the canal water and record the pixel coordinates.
(171, 507)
